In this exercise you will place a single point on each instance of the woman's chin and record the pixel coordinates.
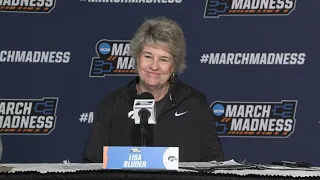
(152, 83)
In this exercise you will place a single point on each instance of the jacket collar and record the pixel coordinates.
(178, 91)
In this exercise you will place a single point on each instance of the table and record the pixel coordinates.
(95, 171)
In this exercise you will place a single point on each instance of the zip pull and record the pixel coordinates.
(171, 99)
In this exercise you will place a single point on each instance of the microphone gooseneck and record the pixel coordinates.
(144, 115)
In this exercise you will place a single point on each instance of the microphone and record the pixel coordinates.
(144, 109)
(144, 113)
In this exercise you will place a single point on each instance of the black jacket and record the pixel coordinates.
(193, 132)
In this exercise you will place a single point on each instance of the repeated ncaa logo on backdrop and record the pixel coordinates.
(217, 8)
(28, 116)
(113, 56)
(112, 59)
(255, 119)
(27, 6)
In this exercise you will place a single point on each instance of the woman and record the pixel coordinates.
(184, 118)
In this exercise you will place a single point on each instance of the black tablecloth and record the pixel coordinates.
(137, 175)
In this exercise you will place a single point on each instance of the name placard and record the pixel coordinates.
(132, 157)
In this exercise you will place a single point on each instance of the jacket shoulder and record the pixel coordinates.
(112, 96)
(196, 97)
(194, 92)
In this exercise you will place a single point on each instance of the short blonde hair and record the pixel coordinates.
(165, 32)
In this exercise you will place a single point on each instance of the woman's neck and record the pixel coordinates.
(158, 92)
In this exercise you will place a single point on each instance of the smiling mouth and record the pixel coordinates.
(156, 74)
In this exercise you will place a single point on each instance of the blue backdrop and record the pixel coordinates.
(73, 28)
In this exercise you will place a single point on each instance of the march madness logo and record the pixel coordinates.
(113, 59)
(28, 116)
(27, 56)
(255, 119)
(216, 8)
(27, 6)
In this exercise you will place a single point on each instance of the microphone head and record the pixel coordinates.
(144, 108)
(145, 95)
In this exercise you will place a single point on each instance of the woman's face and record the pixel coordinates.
(155, 65)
